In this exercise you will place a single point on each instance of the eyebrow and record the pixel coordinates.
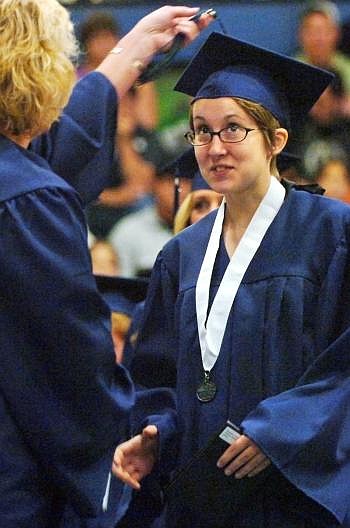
(229, 116)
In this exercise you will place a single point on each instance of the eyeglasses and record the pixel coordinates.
(230, 134)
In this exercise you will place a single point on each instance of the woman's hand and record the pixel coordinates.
(243, 458)
(135, 458)
(153, 33)
(166, 22)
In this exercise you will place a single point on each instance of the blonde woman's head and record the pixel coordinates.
(37, 46)
(196, 205)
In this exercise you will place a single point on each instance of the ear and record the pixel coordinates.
(281, 138)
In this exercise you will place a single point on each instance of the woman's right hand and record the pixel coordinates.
(135, 458)
(159, 28)
(153, 33)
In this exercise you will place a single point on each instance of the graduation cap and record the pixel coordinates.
(122, 293)
(228, 67)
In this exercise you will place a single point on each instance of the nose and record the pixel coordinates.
(216, 146)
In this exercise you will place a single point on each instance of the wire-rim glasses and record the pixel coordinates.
(230, 134)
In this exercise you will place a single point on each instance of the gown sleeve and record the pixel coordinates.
(80, 146)
(58, 374)
(155, 399)
(154, 361)
(305, 431)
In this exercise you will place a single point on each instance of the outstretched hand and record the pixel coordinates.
(135, 458)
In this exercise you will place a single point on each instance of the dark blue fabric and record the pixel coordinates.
(249, 83)
(80, 146)
(283, 367)
(63, 390)
(198, 182)
(64, 404)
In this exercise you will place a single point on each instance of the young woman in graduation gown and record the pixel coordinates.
(248, 310)
(64, 404)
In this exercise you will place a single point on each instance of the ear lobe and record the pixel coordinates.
(281, 138)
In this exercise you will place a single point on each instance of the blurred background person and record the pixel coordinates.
(122, 296)
(334, 177)
(201, 199)
(319, 37)
(324, 136)
(103, 258)
(139, 236)
(344, 45)
(98, 33)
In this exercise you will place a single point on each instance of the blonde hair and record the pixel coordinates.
(37, 46)
(265, 120)
(183, 214)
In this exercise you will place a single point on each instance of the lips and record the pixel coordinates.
(221, 169)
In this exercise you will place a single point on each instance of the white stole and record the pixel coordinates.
(212, 333)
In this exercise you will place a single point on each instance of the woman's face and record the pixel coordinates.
(203, 202)
(230, 167)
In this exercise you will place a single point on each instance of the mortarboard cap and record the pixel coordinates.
(228, 67)
(122, 293)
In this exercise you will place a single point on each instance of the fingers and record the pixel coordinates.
(260, 467)
(122, 471)
(134, 458)
(243, 458)
(242, 443)
(166, 17)
(240, 463)
(150, 431)
(174, 13)
(125, 477)
(191, 29)
(150, 437)
(249, 465)
(188, 29)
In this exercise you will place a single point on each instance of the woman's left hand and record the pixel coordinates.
(243, 458)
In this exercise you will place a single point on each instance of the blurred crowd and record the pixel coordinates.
(134, 215)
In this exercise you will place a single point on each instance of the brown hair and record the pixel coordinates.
(95, 23)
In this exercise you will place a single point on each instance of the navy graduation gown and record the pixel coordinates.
(59, 383)
(64, 404)
(283, 369)
(80, 146)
